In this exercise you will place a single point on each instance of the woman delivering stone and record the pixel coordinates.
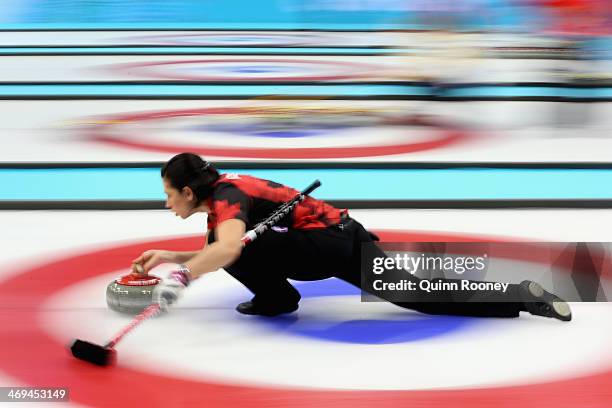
(315, 241)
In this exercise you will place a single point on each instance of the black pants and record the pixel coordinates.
(265, 265)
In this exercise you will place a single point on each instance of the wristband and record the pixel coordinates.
(182, 274)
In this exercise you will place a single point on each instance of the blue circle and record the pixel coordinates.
(250, 39)
(253, 69)
(245, 39)
(412, 327)
(267, 129)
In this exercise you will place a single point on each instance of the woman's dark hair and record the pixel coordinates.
(190, 170)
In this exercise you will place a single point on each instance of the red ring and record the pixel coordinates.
(171, 39)
(447, 136)
(141, 69)
(31, 356)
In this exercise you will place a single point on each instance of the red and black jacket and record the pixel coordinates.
(252, 200)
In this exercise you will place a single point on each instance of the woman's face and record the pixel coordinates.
(180, 202)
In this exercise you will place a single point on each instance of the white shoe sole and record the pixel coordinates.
(561, 307)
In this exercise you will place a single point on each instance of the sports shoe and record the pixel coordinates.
(539, 302)
(250, 308)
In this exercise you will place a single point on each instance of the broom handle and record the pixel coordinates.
(252, 234)
(248, 237)
(150, 311)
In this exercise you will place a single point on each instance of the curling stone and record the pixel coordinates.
(131, 293)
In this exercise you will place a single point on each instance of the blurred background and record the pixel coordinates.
(437, 120)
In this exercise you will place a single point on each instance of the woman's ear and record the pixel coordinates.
(188, 193)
